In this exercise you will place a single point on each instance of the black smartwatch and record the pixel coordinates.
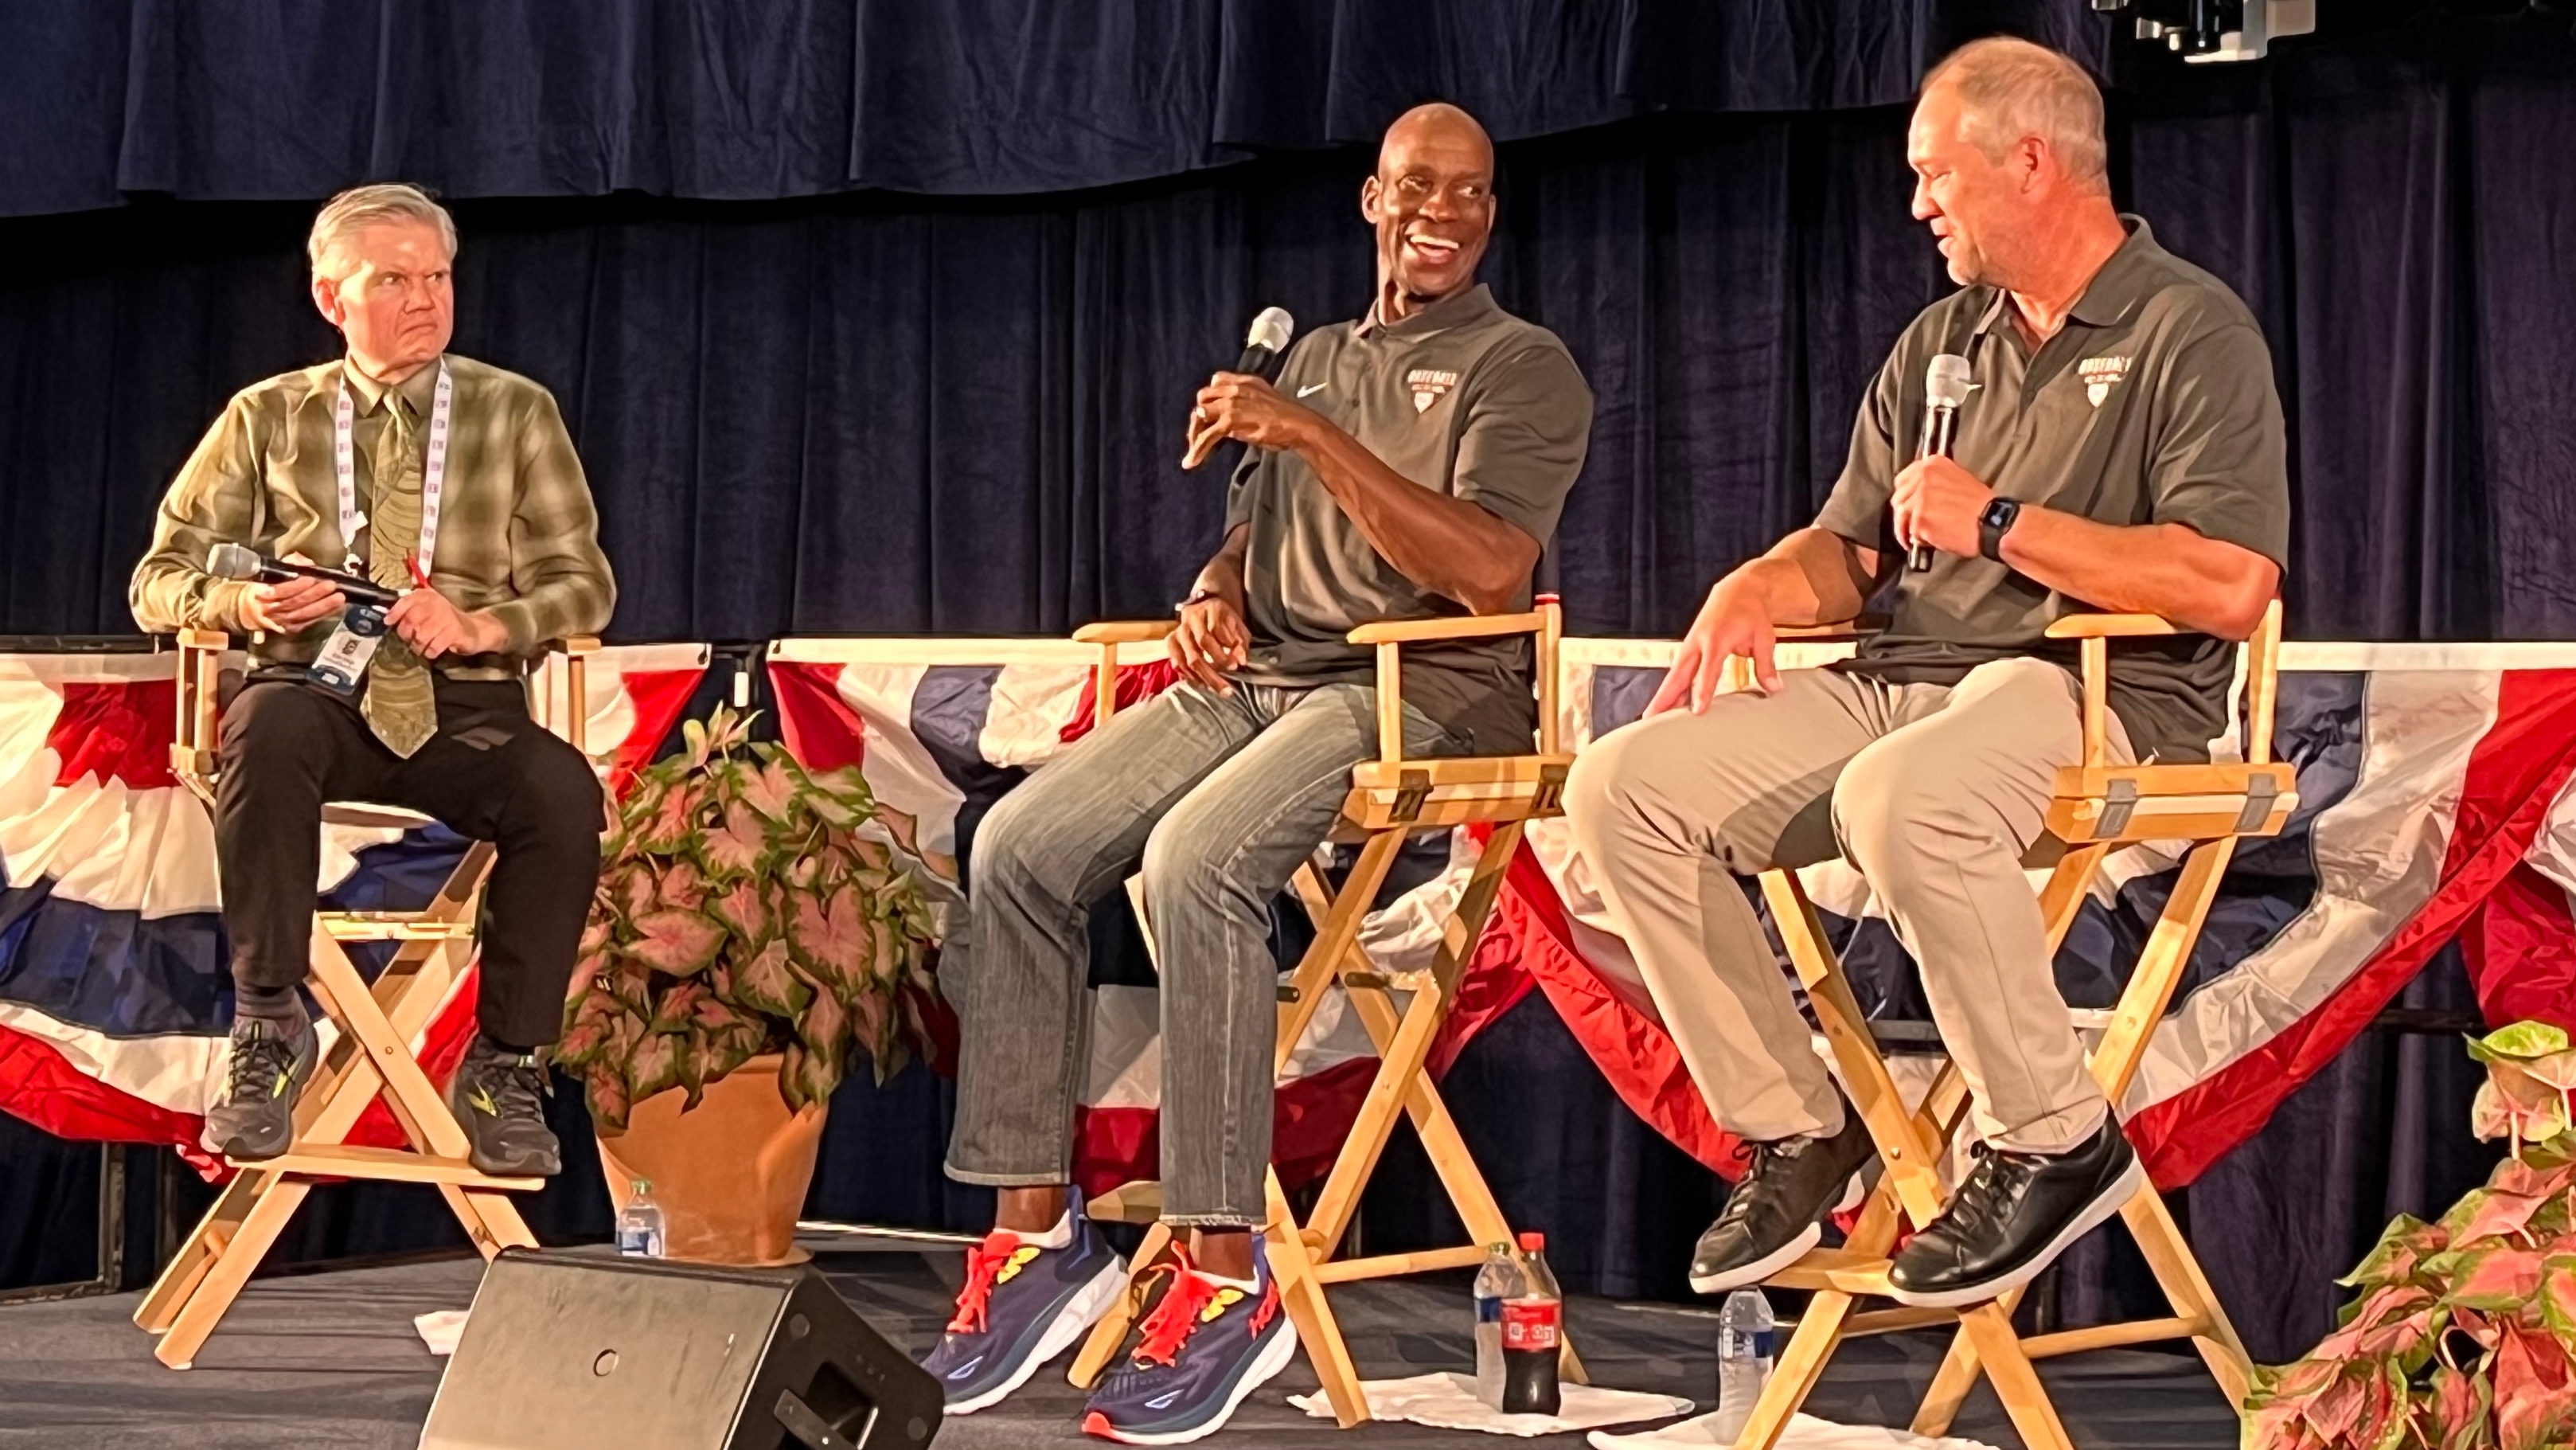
(1991, 524)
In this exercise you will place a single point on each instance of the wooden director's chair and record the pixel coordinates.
(1391, 799)
(370, 1055)
(2096, 807)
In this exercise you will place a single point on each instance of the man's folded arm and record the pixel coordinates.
(213, 501)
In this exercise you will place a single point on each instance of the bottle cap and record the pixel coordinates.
(1532, 1243)
(641, 1186)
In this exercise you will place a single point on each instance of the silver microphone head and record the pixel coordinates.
(1945, 382)
(1271, 329)
(232, 561)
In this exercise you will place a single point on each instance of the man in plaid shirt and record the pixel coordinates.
(452, 481)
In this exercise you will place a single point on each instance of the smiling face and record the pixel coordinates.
(1979, 207)
(394, 299)
(1432, 202)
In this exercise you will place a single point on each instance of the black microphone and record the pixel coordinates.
(232, 561)
(1266, 343)
(1945, 387)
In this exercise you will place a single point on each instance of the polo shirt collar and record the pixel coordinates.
(1464, 307)
(2112, 292)
(418, 390)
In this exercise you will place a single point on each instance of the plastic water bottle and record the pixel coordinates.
(1498, 1281)
(1533, 1327)
(1745, 1333)
(639, 1223)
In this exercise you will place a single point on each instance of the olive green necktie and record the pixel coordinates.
(400, 705)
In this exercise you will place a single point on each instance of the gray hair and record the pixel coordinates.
(2009, 89)
(365, 206)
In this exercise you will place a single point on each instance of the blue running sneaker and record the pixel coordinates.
(1204, 1350)
(1021, 1306)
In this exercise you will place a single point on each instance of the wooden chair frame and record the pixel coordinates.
(371, 1054)
(2095, 807)
(1391, 798)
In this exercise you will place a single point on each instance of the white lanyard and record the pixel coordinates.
(433, 476)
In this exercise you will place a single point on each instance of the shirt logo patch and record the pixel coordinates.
(1427, 385)
(2100, 373)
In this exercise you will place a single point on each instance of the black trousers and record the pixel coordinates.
(491, 773)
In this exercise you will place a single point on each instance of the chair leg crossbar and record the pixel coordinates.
(371, 1055)
(1302, 1254)
(1911, 1147)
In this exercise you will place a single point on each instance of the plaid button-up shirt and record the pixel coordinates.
(517, 533)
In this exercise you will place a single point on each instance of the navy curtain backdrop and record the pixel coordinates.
(813, 403)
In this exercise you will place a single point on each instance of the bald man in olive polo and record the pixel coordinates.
(2122, 449)
(1410, 464)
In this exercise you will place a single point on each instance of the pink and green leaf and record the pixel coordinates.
(677, 942)
(744, 909)
(765, 984)
(734, 848)
(2499, 1277)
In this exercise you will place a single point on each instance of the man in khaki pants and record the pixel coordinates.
(2122, 449)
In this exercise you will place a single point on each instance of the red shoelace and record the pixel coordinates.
(984, 1264)
(1176, 1318)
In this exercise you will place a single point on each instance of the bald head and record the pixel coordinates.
(1432, 202)
(1436, 123)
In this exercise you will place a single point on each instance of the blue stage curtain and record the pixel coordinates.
(248, 99)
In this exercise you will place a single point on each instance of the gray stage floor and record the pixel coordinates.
(332, 1359)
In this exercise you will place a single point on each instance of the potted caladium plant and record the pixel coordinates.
(2464, 1333)
(756, 928)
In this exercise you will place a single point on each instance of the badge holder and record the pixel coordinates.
(352, 647)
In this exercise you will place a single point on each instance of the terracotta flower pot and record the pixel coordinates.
(730, 1174)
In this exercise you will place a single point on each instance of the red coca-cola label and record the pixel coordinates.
(1530, 1324)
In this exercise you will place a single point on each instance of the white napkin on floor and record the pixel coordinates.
(440, 1329)
(1448, 1402)
(1805, 1432)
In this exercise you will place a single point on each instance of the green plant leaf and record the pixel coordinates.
(744, 909)
(630, 983)
(828, 933)
(2535, 1400)
(674, 819)
(654, 1065)
(604, 1089)
(636, 889)
(771, 791)
(2400, 1249)
(677, 1010)
(2557, 1295)
(2458, 1409)
(677, 942)
(2521, 1040)
(2491, 1213)
(734, 848)
(2500, 1277)
(764, 984)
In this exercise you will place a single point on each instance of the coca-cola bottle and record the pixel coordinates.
(1533, 1326)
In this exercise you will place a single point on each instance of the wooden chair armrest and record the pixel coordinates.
(214, 639)
(1125, 631)
(1476, 626)
(574, 645)
(2111, 626)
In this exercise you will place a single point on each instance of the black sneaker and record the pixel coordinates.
(1777, 1212)
(2014, 1215)
(499, 1099)
(255, 1119)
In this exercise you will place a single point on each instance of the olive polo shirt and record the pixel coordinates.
(2153, 404)
(1461, 397)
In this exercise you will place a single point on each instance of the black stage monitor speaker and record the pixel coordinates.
(591, 1351)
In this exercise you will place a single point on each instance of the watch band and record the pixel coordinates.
(1993, 522)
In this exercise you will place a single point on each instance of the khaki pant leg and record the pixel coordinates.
(1938, 815)
(1667, 814)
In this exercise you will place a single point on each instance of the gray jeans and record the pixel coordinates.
(1217, 798)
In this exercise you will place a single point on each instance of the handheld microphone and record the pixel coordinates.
(1945, 387)
(1266, 343)
(1263, 346)
(232, 561)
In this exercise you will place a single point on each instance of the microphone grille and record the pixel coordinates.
(1945, 382)
(232, 561)
(1271, 329)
